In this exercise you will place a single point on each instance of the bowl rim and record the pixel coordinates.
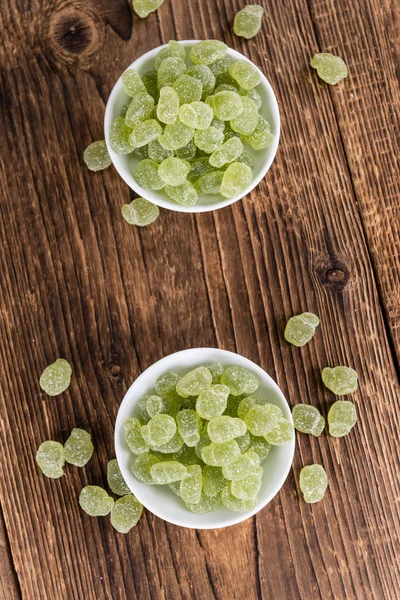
(127, 400)
(153, 196)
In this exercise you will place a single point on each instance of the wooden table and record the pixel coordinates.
(320, 233)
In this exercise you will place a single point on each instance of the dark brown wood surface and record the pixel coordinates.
(320, 233)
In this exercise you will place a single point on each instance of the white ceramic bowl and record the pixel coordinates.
(160, 500)
(126, 164)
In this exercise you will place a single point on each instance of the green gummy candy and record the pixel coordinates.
(167, 472)
(155, 405)
(205, 76)
(145, 132)
(300, 329)
(173, 48)
(340, 380)
(213, 480)
(225, 87)
(95, 501)
(132, 83)
(246, 159)
(216, 370)
(142, 152)
(204, 441)
(144, 7)
(194, 382)
(140, 212)
(134, 437)
(224, 428)
(188, 456)
(313, 483)
(220, 66)
(308, 419)
(147, 176)
(116, 482)
(242, 466)
(56, 378)
(330, 68)
(168, 105)
(157, 152)
(240, 380)
(125, 513)
(189, 89)
(191, 485)
(159, 430)
(253, 95)
(141, 468)
(206, 505)
(226, 78)
(143, 415)
(261, 420)
(169, 70)
(281, 434)
(212, 401)
(166, 383)
(247, 403)
(210, 183)
(200, 167)
(342, 417)
(236, 179)
(227, 153)
(207, 52)
(78, 448)
(261, 137)
(196, 114)
(227, 105)
(50, 458)
(260, 446)
(247, 22)
(173, 171)
(187, 152)
(150, 81)
(220, 455)
(139, 109)
(232, 406)
(119, 137)
(234, 504)
(243, 441)
(209, 140)
(173, 446)
(175, 486)
(176, 136)
(245, 73)
(189, 426)
(247, 488)
(246, 123)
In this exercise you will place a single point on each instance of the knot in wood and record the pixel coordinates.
(115, 370)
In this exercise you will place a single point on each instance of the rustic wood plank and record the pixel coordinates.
(9, 587)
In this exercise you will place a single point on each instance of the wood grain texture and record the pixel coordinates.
(78, 282)
(9, 588)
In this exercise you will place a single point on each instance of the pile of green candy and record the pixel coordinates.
(205, 434)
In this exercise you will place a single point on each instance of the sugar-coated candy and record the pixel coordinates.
(132, 83)
(247, 487)
(155, 405)
(140, 108)
(204, 441)
(242, 466)
(342, 417)
(95, 501)
(247, 403)
(246, 122)
(205, 76)
(245, 73)
(236, 179)
(144, 7)
(308, 419)
(147, 176)
(173, 446)
(176, 136)
(260, 445)
(187, 152)
(247, 22)
(260, 420)
(210, 183)
(166, 383)
(134, 437)
(145, 132)
(159, 430)
(261, 137)
(96, 156)
(225, 87)
(56, 378)
(219, 124)
(234, 504)
(50, 458)
(173, 171)
(300, 329)
(157, 152)
(200, 167)
(281, 434)
(189, 89)
(115, 480)
(227, 105)
(175, 486)
(150, 82)
(141, 468)
(340, 380)
(189, 426)
(216, 370)
(253, 94)
(221, 65)
(125, 513)
(168, 105)
(169, 70)
(140, 212)
(143, 415)
(227, 153)
(209, 139)
(167, 472)
(207, 52)
(330, 68)
(243, 441)
(206, 505)
(224, 428)
(187, 456)
(313, 483)
(184, 194)
(78, 448)
(232, 405)
(191, 485)
(240, 380)
(123, 110)
(194, 382)
(226, 78)
(141, 152)
(196, 114)
(119, 137)
(173, 48)
(220, 455)
(246, 159)
(213, 480)
(212, 401)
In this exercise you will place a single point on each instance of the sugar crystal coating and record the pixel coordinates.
(261, 420)
(247, 21)
(209, 139)
(300, 329)
(140, 108)
(191, 485)
(225, 87)
(132, 83)
(246, 159)
(155, 405)
(205, 76)
(200, 167)
(78, 448)
(245, 73)
(204, 441)
(313, 483)
(187, 152)
(260, 446)
(50, 458)
(227, 105)
(125, 513)
(240, 380)
(95, 501)
(213, 480)
(140, 212)
(144, 7)
(96, 156)
(157, 152)
(224, 428)
(308, 419)
(342, 417)
(134, 437)
(184, 194)
(56, 378)
(175, 486)
(330, 68)
(176, 136)
(261, 137)
(145, 132)
(141, 468)
(247, 403)
(227, 153)
(168, 105)
(119, 137)
(169, 70)
(159, 430)
(147, 176)
(196, 114)
(220, 455)
(247, 488)
(210, 183)
(253, 94)
(234, 504)
(173, 48)
(173, 171)
(247, 121)
(237, 178)
(173, 446)
(243, 441)
(115, 480)
(189, 426)
(221, 65)
(189, 89)
(232, 405)
(166, 383)
(187, 456)
(167, 472)
(281, 434)
(340, 380)
(194, 382)
(216, 370)
(207, 52)
(244, 465)
(212, 401)
(206, 505)
(150, 82)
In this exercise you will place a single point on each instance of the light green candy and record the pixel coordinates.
(78, 448)
(246, 74)
(247, 22)
(139, 109)
(227, 153)
(166, 383)
(220, 66)
(147, 176)
(95, 501)
(144, 7)
(243, 441)
(194, 382)
(188, 89)
(187, 152)
(173, 446)
(281, 434)
(227, 105)
(167, 472)
(200, 167)
(212, 401)
(169, 70)
(260, 446)
(242, 466)
(209, 140)
(236, 179)
(150, 82)
(125, 513)
(210, 183)
(253, 95)
(220, 455)
(308, 419)
(197, 115)
(173, 48)
(115, 480)
(224, 428)
(330, 68)
(119, 137)
(232, 405)
(176, 136)
(234, 504)
(191, 485)
(225, 87)
(247, 488)
(145, 132)
(132, 83)
(141, 152)
(50, 458)
(246, 159)
(213, 480)
(342, 417)
(216, 370)
(240, 380)
(155, 405)
(226, 78)
(189, 426)
(205, 76)
(187, 456)
(173, 171)
(157, 152)
(159, 430)
(134, 437)
(168, 105)
(140, 212)
(300, 329)
(261, 137)
(261, 420)
(246, 123)
(175, 486)
(313, 483)
(56, 378)
(207, 52)
(247, 403)
(184, 194)
(141, 468)
(143, 415)
(207, 504)
(204, 441)
(340, 380)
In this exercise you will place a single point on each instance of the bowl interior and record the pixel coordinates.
(126, 164)
(160, 500)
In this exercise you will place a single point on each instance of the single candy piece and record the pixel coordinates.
(213, 480)
(150, 81)
(50, 458)
(210, 183)
(220, 66)
(200, 167)
(167, 472)
(116, 482)
(212, 401)
(176, 136)
(173, 446)
(159, 430)
(234, 504)
(207, 52)
(157, 152)
(194, 382)
(227, 153)
(188, 89)
(281, 434)
(132, 83)
(166, 383)
(237, 178)
(246, 123)
(342, 417)
(224, 428)
(245, 73)
(156, 405)
(173, 48)
(169, 70)
(243, 441)
(340, 380)
(242, 466)
(187, 152)
(240, 380)
(146, 175)
(260, 446)
(141, 152)
(253, 95)
(216, 370)
(119, 137)
(191, 485)
(134, 437)
(220, 455)
(197, 115)
(78, 448)
(144, 7)
(247, 403)
(125, 513)
(205, 76)
(227, 105)
(247, 22)
(173, 171)
(248, 487)
(232, 405)
(145, 132)
(96, 156)
(219, 124)
(143, 415)
(308, 419)
(206, 505)
(300, 329)
(184, 194)
(260, 420)
(140, 212)
(313, 483)
(261, 137)
(246, 159)
(175, 486)
(168, 105)
(330, 68)
(56, 378)
(204, 441)
(189, 426)
(95, 501)
(209, 139)
(139, 109)
(141, 468)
